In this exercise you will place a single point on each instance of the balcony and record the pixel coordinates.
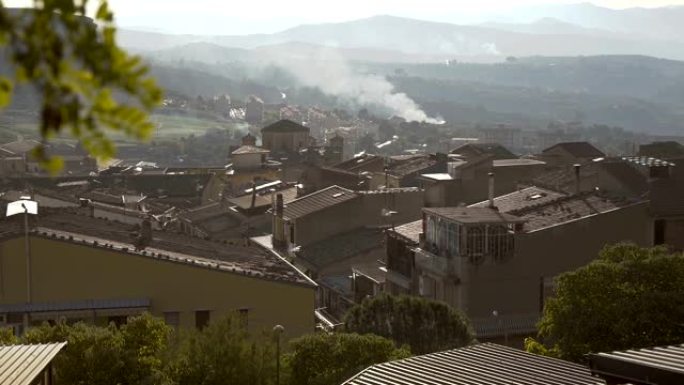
(435, 264)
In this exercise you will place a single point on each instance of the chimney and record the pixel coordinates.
(491, 190)
(577, 178)
(279, 206)
(253, 195)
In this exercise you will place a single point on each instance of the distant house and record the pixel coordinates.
(569, 153)
(254, 110)
(476, 150)
(249, 157)
(285, 136)
(480, 364)
(663, 150)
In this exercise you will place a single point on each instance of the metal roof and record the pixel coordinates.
(22, 364)
(652, 366)
(483, 364)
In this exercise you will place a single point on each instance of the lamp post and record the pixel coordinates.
(278, 330)
(495, 313)
(26, 206)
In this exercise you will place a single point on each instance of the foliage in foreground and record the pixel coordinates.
(630, 297)
(84, 80)
(146, 351)
(107, 355)
(425, 326)
(223, 353)
(331, 358)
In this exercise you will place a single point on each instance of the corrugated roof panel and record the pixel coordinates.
(22, 364)
(483, 364)
(658, 365)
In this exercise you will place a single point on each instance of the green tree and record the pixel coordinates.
(223, 353)
(7, 337)
(108, 355)
(630, 297)
(85, 82)
(331, 358)
(426, 326)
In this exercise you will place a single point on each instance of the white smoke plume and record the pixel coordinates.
(329, 71)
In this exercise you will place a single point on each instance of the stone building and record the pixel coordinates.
(285, 136)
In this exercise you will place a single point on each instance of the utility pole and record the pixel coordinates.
(26, 206)
(27, 250)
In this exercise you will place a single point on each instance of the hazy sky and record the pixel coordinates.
(267, 16)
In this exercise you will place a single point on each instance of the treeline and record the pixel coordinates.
(145, 350)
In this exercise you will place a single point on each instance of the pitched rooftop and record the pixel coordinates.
(318, 200)
(247, 149)
(285, 125)
(495, 150)
(568, 209)
(410, 231)
(578, 149)
(482, 364)
(68, 225)
(473, 215)
(521, 199)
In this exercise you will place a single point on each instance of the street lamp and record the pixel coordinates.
(277, 331)
(495, 313)
(26, 206)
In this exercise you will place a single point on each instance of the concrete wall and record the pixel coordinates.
(64, 271)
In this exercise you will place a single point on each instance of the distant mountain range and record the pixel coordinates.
(572, 30)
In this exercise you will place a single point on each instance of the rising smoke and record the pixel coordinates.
(328, 71)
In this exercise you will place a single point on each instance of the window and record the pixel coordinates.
(172, 318)
(201, 319)
(292, 234)
(659, 232)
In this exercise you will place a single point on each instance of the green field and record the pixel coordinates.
(168, 127)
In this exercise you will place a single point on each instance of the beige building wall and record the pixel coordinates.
(285, 141)
(63, 271)
(248, 161)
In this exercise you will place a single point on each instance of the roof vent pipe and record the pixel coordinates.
(577, 178)
(491, 190)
